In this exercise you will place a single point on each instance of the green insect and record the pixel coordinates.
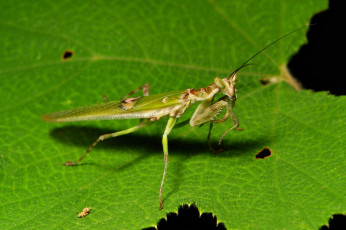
(151, 108)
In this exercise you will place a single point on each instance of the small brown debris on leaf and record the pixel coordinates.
(84, 213)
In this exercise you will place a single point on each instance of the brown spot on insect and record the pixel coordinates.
(186, 94)
(264, 153)
(153, 119)
(208, 89)
(202, 92)
(84, 213)
(129, 103)
(196, 92)
(67, 54)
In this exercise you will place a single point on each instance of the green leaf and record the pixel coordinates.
(118, 46)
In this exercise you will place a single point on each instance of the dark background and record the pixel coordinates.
(320, 65)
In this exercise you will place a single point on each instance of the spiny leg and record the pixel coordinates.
(235, 121)
(169, 127)
(207, 111)
(107, 136)
(225, 117)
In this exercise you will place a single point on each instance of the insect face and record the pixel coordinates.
(227, 85)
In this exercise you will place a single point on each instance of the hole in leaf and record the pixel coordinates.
(188, 217)
(337, 221)
(264, 153)
(264, 81)
(67, 54)
(268, 80)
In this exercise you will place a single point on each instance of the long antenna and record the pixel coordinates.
(245, 63)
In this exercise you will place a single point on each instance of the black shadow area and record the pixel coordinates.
(150, 144)
(86, 135)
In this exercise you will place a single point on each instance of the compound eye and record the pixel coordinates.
(219, 83)
(235, 78)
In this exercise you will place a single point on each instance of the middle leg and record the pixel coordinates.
(169, 127)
